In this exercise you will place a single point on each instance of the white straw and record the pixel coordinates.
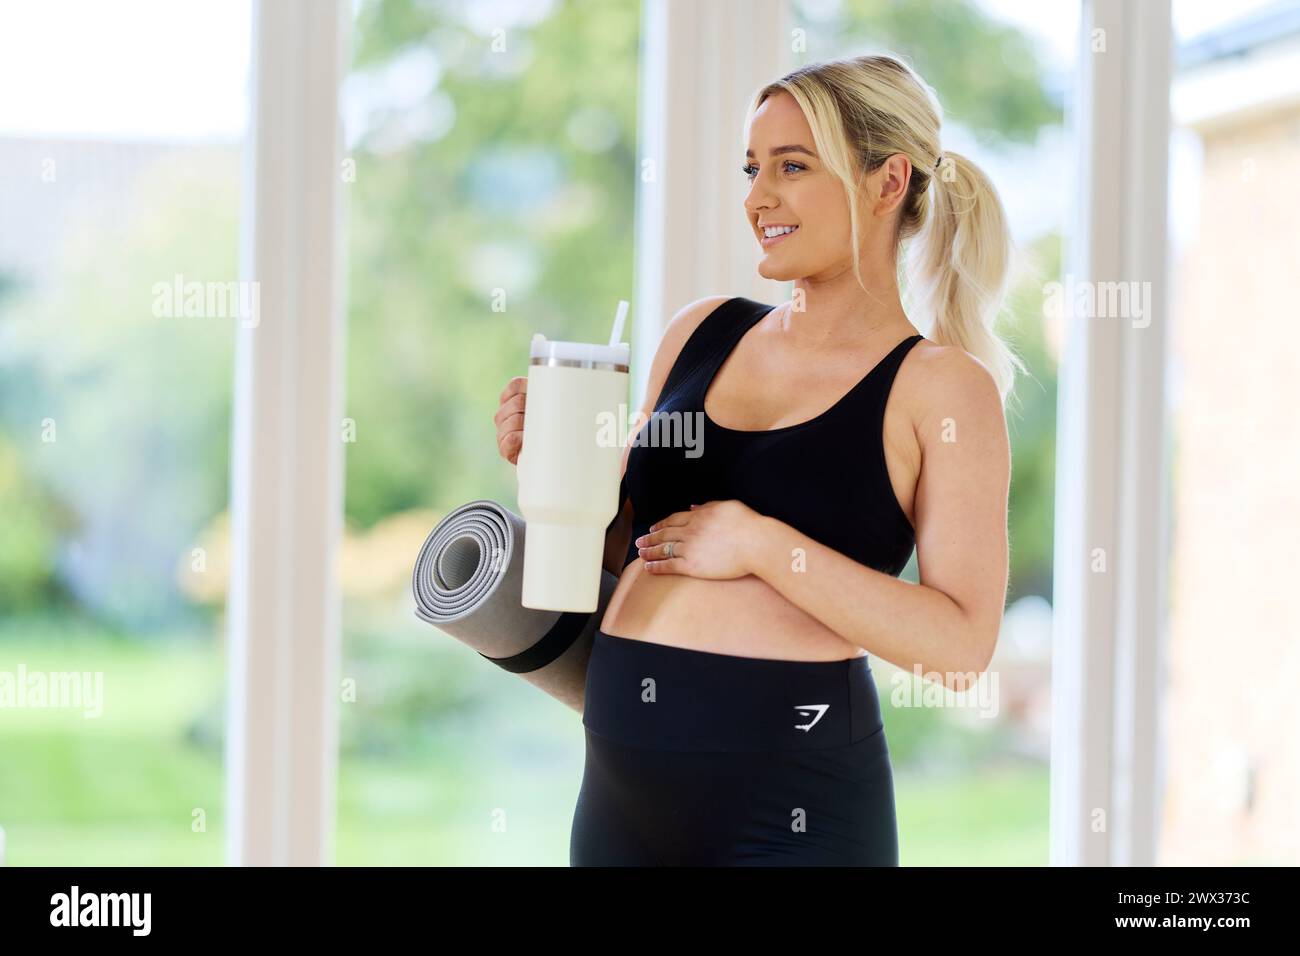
(619, 316)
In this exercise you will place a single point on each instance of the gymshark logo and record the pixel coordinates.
(806, 709)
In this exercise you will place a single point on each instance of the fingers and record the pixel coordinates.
(510, 444)
(512, 422)
(654, 544)
(660, 535)
(675, 520)
(652, 550)
(661, 532)
(673, 565)
(511, 406)
(518, 384)
(509, 418)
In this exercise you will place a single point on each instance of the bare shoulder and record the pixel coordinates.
(679, 329)
(945, 382)
(688, 318)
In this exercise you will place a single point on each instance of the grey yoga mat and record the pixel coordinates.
(468, 582)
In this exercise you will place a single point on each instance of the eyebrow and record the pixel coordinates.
(778, 150)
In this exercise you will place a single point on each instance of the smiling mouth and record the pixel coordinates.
(768, 243)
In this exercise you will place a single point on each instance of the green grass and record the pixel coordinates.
(125, 788)
(998, 817)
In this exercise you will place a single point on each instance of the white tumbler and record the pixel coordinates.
(568, 468)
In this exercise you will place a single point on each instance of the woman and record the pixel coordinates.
(797, 454)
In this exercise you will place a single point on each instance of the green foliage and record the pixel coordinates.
(33, 522)
(1031, 426)
(985, 72)
(138, 404)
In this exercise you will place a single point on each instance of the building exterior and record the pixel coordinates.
(1232, 740)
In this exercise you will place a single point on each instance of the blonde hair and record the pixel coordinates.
(864, 109)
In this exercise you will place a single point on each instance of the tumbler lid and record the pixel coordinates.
(544, 351)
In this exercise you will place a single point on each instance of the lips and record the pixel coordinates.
(767, 243)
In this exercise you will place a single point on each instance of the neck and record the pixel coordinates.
(833, 310)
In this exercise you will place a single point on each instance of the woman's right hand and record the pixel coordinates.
(510, 419)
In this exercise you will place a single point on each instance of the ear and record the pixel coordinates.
(892, 181)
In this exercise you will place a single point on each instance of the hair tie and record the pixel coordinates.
(939, 163)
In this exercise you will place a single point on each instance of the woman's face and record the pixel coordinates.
(791, 187)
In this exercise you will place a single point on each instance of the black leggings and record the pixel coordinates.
(702, 759)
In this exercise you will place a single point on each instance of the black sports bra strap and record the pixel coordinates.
(714, 333)
(884, 374)
(899, 352)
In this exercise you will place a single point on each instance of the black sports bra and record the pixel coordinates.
(808, 475)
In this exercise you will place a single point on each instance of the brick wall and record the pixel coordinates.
(1233, 717)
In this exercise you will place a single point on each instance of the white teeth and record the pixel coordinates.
(772, 231)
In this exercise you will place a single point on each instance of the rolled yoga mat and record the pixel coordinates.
(468, 582)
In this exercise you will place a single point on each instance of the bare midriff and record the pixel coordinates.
(744, 616)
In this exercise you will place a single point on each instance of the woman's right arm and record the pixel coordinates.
(510, 415)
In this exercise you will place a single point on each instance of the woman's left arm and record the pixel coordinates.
(950, 621)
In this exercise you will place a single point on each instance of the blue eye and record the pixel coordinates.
(750, 170)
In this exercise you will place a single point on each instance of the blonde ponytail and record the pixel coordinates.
(958, 265)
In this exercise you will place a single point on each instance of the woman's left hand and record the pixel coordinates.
(713, 540)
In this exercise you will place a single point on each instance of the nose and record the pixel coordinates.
(759, 197)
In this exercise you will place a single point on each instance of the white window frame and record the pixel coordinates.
(1110, 611)
(286, 447)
